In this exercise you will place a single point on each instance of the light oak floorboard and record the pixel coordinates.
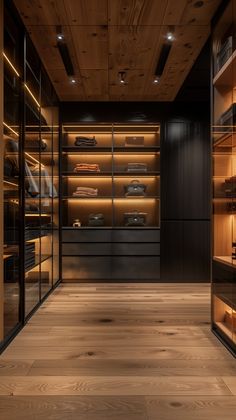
(119, 351)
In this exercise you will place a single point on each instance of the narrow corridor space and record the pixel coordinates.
(119, 351)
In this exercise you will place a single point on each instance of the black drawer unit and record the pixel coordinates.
(111, 254)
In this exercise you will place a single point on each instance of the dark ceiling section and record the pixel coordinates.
(197, 84)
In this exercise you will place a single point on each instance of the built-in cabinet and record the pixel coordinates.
(31, 179)
(110, 201)
(224, 177)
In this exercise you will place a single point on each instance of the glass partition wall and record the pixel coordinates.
(31, 183)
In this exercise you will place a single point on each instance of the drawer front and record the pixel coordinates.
(136, 249)
(86, 268)
(132, 268)
(86, 248)
(84, 235)
(130, 235)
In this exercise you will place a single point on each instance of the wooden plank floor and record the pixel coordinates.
(119, 351)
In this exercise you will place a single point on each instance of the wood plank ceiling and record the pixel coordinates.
(105, 37)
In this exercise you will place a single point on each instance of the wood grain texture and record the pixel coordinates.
(109, 36)
(101, 351)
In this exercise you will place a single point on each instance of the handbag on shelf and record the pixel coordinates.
(135, 188)
(136, 167)
(135, 218)
(134, 141)
(96, 219)
(229, 187)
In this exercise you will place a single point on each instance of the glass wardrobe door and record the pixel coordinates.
(11, 176)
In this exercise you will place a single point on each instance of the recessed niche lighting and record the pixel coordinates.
(156, 80)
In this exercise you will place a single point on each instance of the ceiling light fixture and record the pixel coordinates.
(156, 80)
(170, 37)
(73, 81)
(64, 52)
(164, 54)
(122, 75)
(60, 35)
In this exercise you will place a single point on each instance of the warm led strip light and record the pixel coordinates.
(11, 65)
(11, 129)
(31, 157)
(31, 94)
(10, 183)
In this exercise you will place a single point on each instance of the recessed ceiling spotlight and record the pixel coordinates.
(170, 36)
(156, 80)
(60, 37)
(73, 81)
(59, 32)
(122, 75)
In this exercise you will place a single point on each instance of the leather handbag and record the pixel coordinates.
(135, 218)
(96, 219)
(134, 141)
(135, 188)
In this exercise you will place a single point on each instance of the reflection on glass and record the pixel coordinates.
(11, 184)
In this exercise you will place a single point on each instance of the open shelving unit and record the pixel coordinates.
(121, 154)
(224, 178)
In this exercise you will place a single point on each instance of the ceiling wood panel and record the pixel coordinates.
(86, 12)
(108, 36)
(136, 12)
(199, 15)
(91, 44)
(42, 12)
(132, 47)
(95, 82)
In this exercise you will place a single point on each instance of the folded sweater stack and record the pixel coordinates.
(87, 167)
(85, 141)
(85, 192)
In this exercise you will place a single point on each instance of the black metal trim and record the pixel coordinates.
(65, 56)
(224, 340)
(223, 5)
(164, 54)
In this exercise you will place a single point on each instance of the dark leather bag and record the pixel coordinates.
(96, 219)
(135, 218)
(135, 188)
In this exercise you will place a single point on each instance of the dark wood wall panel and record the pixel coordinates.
(172, 166)
(196, 251)
(185, 200)
(196, 171)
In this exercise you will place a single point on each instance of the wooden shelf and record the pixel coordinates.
(226, 75)
(225, 329)
(225, 260)
(93, 149)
